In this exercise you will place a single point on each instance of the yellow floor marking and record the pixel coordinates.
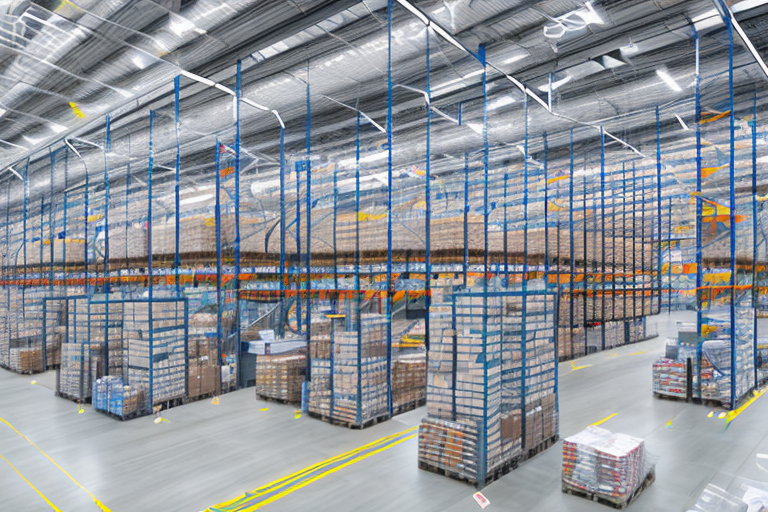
(297, 475)
(639, 353)
(329, 472)
(54, 507)
(732, 415)
(603, 420)
(97, 502)
(574, 367)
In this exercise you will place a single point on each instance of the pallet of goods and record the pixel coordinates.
(280, 377)
(610, 468)
(488, 406)
(203, 358)
(409, 381)
(356, 357)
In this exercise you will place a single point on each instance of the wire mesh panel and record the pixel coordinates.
(150, 370)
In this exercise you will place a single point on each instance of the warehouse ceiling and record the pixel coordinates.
(65, 65)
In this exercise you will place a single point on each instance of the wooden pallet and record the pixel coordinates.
(276, 400)
(674, 398)
(497, 472)
(351, 425)
(444, 472)
(73, 398)
(131, 416)
(21, 372)
(409, 406)
(544, 445)
(611, 501)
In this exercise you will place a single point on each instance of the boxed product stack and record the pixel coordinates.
(670, 377)
(571, 342)
(280, 377)
(409, 380)
(203, 363)
(163, 343)
(358, 359)
(600, 465)
(490, 378)
(112, 397)
(90, 327)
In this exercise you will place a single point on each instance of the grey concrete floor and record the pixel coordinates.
(207, 454)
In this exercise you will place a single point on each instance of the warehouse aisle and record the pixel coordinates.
(208, 454)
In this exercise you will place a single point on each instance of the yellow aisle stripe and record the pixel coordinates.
(299, 474)
(732, 415)
(97, 502)
(603, 420)
(329, 472)
(574, 367)
(54, 507)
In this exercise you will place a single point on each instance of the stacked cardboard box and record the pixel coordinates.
(495, 369)
(112, 397)
(358, 359)
(90, 327)
(599, 463)
(280, 377)
(409, 379)
(670, 377)
(204, 370)
(571, 342)
(167, 348)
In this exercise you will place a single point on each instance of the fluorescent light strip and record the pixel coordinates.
(626, 144)
(414, 11)
(669, 80)
(224, 89)
(279, 119)
(682, 123)
(255, 105)
(15, 173)
(198, 78)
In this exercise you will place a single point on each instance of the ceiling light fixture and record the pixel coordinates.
(501, 102)
(668, 80)
(196, 199)
(682, 123)
(514, 59)
(556, 84)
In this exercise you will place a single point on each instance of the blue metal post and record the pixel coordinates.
(732, 198)
(219, 300)
(308, 168)
(572, 254)
(150, 272)
(428, 201)
(483, 448)
(236, 282)
(658, 202)
(390, 129)
(177, 121)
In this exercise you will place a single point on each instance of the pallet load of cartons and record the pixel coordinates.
(409, 380)
(142, 385)
(571, 342)
(670, 378)
(204, 369)
(280, 377)
(490, 382)
(78, 365)
(358, 360)
(606, 467)
(112, 397)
